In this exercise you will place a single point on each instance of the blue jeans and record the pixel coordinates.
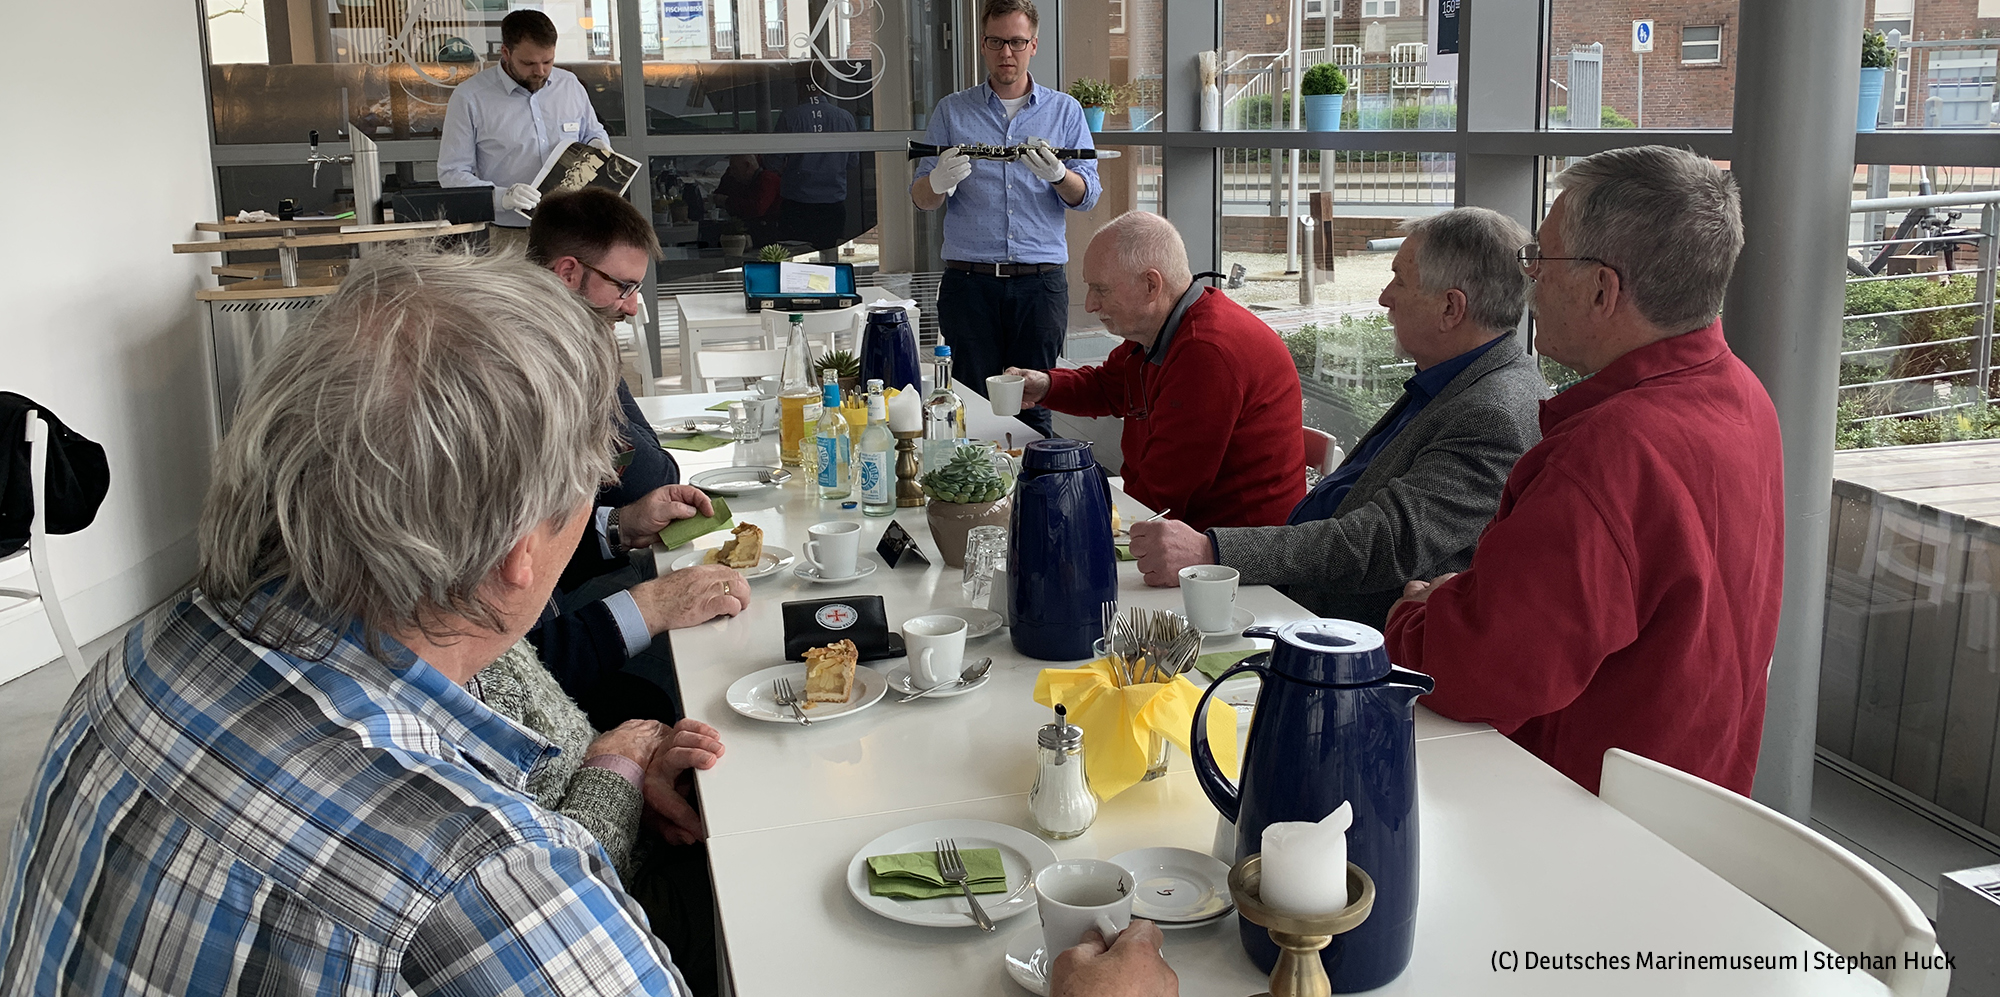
(993, 323)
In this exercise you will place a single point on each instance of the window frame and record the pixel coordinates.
(1717, 42)
(1383, 8)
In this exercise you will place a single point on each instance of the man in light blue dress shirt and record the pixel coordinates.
(502, 124)
(1004, 301)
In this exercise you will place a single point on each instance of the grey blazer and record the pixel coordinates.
(1418, 509)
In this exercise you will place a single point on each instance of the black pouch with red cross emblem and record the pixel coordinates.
(860, 618)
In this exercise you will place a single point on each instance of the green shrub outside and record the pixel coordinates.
(1875, 52)
(1094, 93)
(1323, 79)
(1975, 421)
(1608, 117)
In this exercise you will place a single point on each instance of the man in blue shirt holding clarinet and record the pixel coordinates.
(1005, 299)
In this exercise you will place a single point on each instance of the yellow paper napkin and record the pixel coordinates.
(1118, 722)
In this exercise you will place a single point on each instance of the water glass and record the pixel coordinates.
(746, 422)
(985, 551)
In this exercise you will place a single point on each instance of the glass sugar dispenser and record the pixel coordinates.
(1061, 801)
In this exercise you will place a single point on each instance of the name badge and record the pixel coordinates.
(569, 126)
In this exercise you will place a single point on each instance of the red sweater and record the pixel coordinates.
(1214, 433)
(1626, 593)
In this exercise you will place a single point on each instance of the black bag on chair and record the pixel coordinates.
(78, 475)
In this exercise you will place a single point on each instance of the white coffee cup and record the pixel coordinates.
(833, 547)
(1208, 591)
(1077, 895)
(1004, 391)
(936, 648)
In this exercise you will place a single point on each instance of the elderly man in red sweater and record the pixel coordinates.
(1626, 592)
(1208, 392)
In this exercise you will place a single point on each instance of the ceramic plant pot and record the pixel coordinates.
(951, 521)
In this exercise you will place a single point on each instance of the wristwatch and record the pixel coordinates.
(612, 536)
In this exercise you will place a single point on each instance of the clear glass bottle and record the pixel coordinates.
(835, 467)
(875, 465)
(944, 413)
(798, 397)
(1061, 802)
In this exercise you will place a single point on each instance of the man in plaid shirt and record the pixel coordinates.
(279, 785)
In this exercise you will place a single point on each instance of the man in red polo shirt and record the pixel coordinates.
(1626, 593)
(1208, 392)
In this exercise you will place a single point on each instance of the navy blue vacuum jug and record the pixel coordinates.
(1335, 722)
(1060, 564)
(889, 348)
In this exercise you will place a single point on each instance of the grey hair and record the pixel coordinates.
(1146, 241)
(1669, 221)
(1473, 250)
(389, 455)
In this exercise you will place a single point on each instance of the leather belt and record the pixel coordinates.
(1003, 269)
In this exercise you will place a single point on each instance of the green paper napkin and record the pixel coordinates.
(681, 531)
(1215, 664)
(696, 443)
(914, 875)
(721, 406)
(1124, 552)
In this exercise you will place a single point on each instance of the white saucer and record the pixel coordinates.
(1239, 621)
(751, 695)
(774, 559)
(1022, 855)
(863, 567)
(1026, 963)
(735, 481)
(899, 680)
(1177, 887)
(978, 622)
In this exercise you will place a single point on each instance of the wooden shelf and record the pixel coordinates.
(327, 239)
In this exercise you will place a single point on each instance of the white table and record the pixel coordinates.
(706, 317)
(1515, 856)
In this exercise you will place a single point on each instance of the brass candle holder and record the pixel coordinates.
(1298, 972)
(909, 494)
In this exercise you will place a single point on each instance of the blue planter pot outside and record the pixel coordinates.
(1094, 116)
(1871, 99)
(1323, 112)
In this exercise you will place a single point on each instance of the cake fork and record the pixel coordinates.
(781, 690)
(952, 868)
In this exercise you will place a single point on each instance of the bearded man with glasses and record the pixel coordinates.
(1626, 593)
(1004, 301)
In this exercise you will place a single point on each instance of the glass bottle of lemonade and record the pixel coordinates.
(799, 403)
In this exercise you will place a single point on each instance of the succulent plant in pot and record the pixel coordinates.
(967, 491)
(846, 369)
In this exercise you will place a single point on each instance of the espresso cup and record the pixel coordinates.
(833, 547)
(1004, 391)
(1077, 895)
(936, 648)
(1208, 592)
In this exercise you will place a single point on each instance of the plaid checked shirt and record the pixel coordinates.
(215, 817)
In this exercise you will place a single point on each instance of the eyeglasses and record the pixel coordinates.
(1010, 44)
(1530, 256)
(626, 288)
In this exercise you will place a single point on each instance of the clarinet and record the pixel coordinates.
(1008, 153)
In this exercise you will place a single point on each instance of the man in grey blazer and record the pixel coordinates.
(1412, 497)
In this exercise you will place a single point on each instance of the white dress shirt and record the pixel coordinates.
(497, 132)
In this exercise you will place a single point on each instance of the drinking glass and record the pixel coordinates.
(985, 550)
(746, 422)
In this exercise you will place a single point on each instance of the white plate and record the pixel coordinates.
(978, 622)
(1239, 621)
(774, 559)
(691, 426)
(751, 695)
(863, 567)
(899, 680)
(733, 481)
(1177, 887)
(1021, 855)
(1025, 962)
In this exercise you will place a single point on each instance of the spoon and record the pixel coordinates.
(973, 672)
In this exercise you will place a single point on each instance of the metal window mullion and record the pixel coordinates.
(632, 79)
(1989, 226)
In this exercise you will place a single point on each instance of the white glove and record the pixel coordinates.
(600, 142)
(952, 167)
(520, 197)
(1042, 160)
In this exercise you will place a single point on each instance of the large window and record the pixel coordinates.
(1701, 44)
(1594, 79)
(1394, 77)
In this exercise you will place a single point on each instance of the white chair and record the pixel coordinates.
(37, 551)
(1322, 454)
(749, 365)
(1808, 880)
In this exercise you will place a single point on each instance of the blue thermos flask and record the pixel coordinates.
(889, 348)
(1335, 722)
(1061, 566)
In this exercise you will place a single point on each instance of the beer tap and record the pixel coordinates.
(318, 160)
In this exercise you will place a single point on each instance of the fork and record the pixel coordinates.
(781, 690)
(952, 868)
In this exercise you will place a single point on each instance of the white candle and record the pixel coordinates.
(1305, 864)
(906, 411)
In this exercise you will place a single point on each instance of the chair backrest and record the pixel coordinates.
(1827, 891)
(1322, 454)
(748, 365)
